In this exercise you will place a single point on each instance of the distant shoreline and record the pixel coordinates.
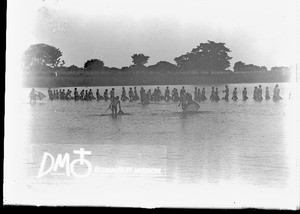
(138, 79)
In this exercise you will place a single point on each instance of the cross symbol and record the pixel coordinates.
(81, 154)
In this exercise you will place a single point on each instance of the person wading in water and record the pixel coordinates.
(115, 102)
(213, 94)
(245, 97)
(234, 94)
(276, 93)
(32, 95)
(226, 91)
(267, 96)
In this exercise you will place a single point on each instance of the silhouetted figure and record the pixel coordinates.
(217, 98)
(267, 95)
(159, 94)
(173, 94)
(226, 91)
(142, 94)
(63, 95)
(98, 95)
(115, 102)
(130, 93)
(60, 94)
(32, 95)
(123, 95)
(68, 95)
(198, 95)
(255, 93)
(259, 93)
(82, 94)
(86, 96)
(149, 94)
(50, 94)
(167, 94)
(188, 105)
(195, 93)
(105, 95)
(76, 95)
(213, 94)
(203, 97)
(91, 95)
(276, 93)
(176, 95)
(245, 97)
(112, 93)
(56, 95)
(135, 96)
(234, 94)
(182, 92)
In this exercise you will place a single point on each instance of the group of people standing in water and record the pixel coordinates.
(61, 94)
(157, 95)
(146, 97)
(257, 94)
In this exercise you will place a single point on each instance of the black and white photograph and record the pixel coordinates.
(152, 104)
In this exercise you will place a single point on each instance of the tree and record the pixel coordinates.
(139, 60)
(162, 66)
(210, 56)
(73, 68)
(94, 64)
(280, 69)
(62, 63)
(125, 68)
(263, 68)
(240, 66)
(41, 56)
(182, 60)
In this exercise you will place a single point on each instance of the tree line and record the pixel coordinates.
(206, 57)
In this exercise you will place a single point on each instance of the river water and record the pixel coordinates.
(230, 154)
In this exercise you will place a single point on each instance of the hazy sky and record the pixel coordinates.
(262, 32)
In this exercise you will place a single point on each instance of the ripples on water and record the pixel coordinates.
(231, 141)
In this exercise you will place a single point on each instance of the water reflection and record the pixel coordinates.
(224, 141)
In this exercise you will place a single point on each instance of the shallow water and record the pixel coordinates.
(237, 142)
